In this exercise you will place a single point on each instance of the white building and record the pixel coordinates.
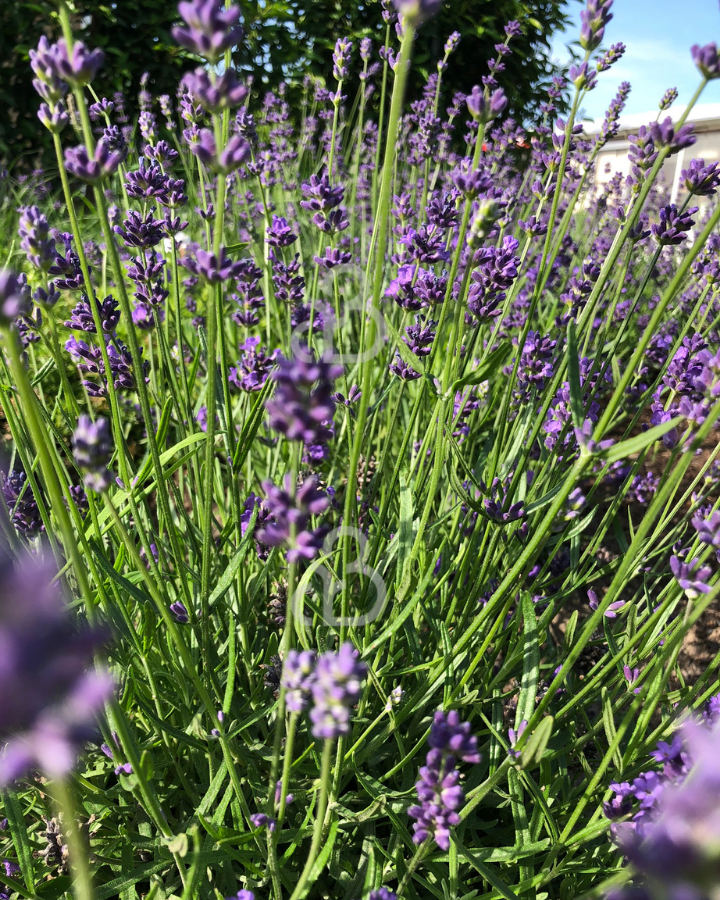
(614, 155)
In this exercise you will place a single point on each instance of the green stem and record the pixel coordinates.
(319, 821)
(82, 881)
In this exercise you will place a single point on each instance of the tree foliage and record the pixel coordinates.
(285, 39)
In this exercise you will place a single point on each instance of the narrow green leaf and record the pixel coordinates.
(408, 356)
(576, 401)
(227, 577)
(405, 529)
(322, 858)
(43, 371)
(537, 743)
(483, 372)
(485, 871)
(609, 725)
(531, 661)
(638, 443)
(18, 831)
(406, 611)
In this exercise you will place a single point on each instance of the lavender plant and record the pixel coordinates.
(361, 493)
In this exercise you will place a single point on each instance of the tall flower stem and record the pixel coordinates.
(319, 821)
(285, 645)
(82, 881)
(412, 866)
(41, 439)
(135, 350)
(210, 402)
(382, 217)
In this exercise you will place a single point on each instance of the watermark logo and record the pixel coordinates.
(332, 586)
(332, 325)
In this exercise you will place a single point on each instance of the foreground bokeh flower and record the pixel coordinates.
(50, 694)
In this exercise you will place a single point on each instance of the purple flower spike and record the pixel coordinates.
(701, 179)
(225, 92)
(320, 196)
(235, 153)
(141, 232)
(333, 258)
(49, 692)
(302, 405)
(341, 56)
(53, 119)
(452, 736)
(21, 504)
(52, 62)
(215, 270)
(668, 98)
(80, 66)
(253, 367)
(280, 234)
(335, 689)
(211, 29)
(664, 135)
(692, 577)
(582, 77)
(673, 225)
(44, 62)
(242, 895)
(402, 288)
(286, 518)
(298, 673)
(35, 238)
(147, 183)
(438, 788)
(612, 56)
(403, 370)
(708, 529)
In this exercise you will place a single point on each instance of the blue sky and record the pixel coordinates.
(658, 35)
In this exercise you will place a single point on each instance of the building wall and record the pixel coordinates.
(614, 157)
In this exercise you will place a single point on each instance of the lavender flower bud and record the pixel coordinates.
(35, 240)
(593, 20)
(484, 109)
(417, 11)
(54, 120)
(103, 164)
(613, 55)
(707, 60)
(92, 449)
(700, 179)
(49, 691)
(335, 689)
(668, 98)
(211, 29)
(438, 788)
(14, 298)
(298, 673)
(224, 92)
(341, 55)
(673, 225)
